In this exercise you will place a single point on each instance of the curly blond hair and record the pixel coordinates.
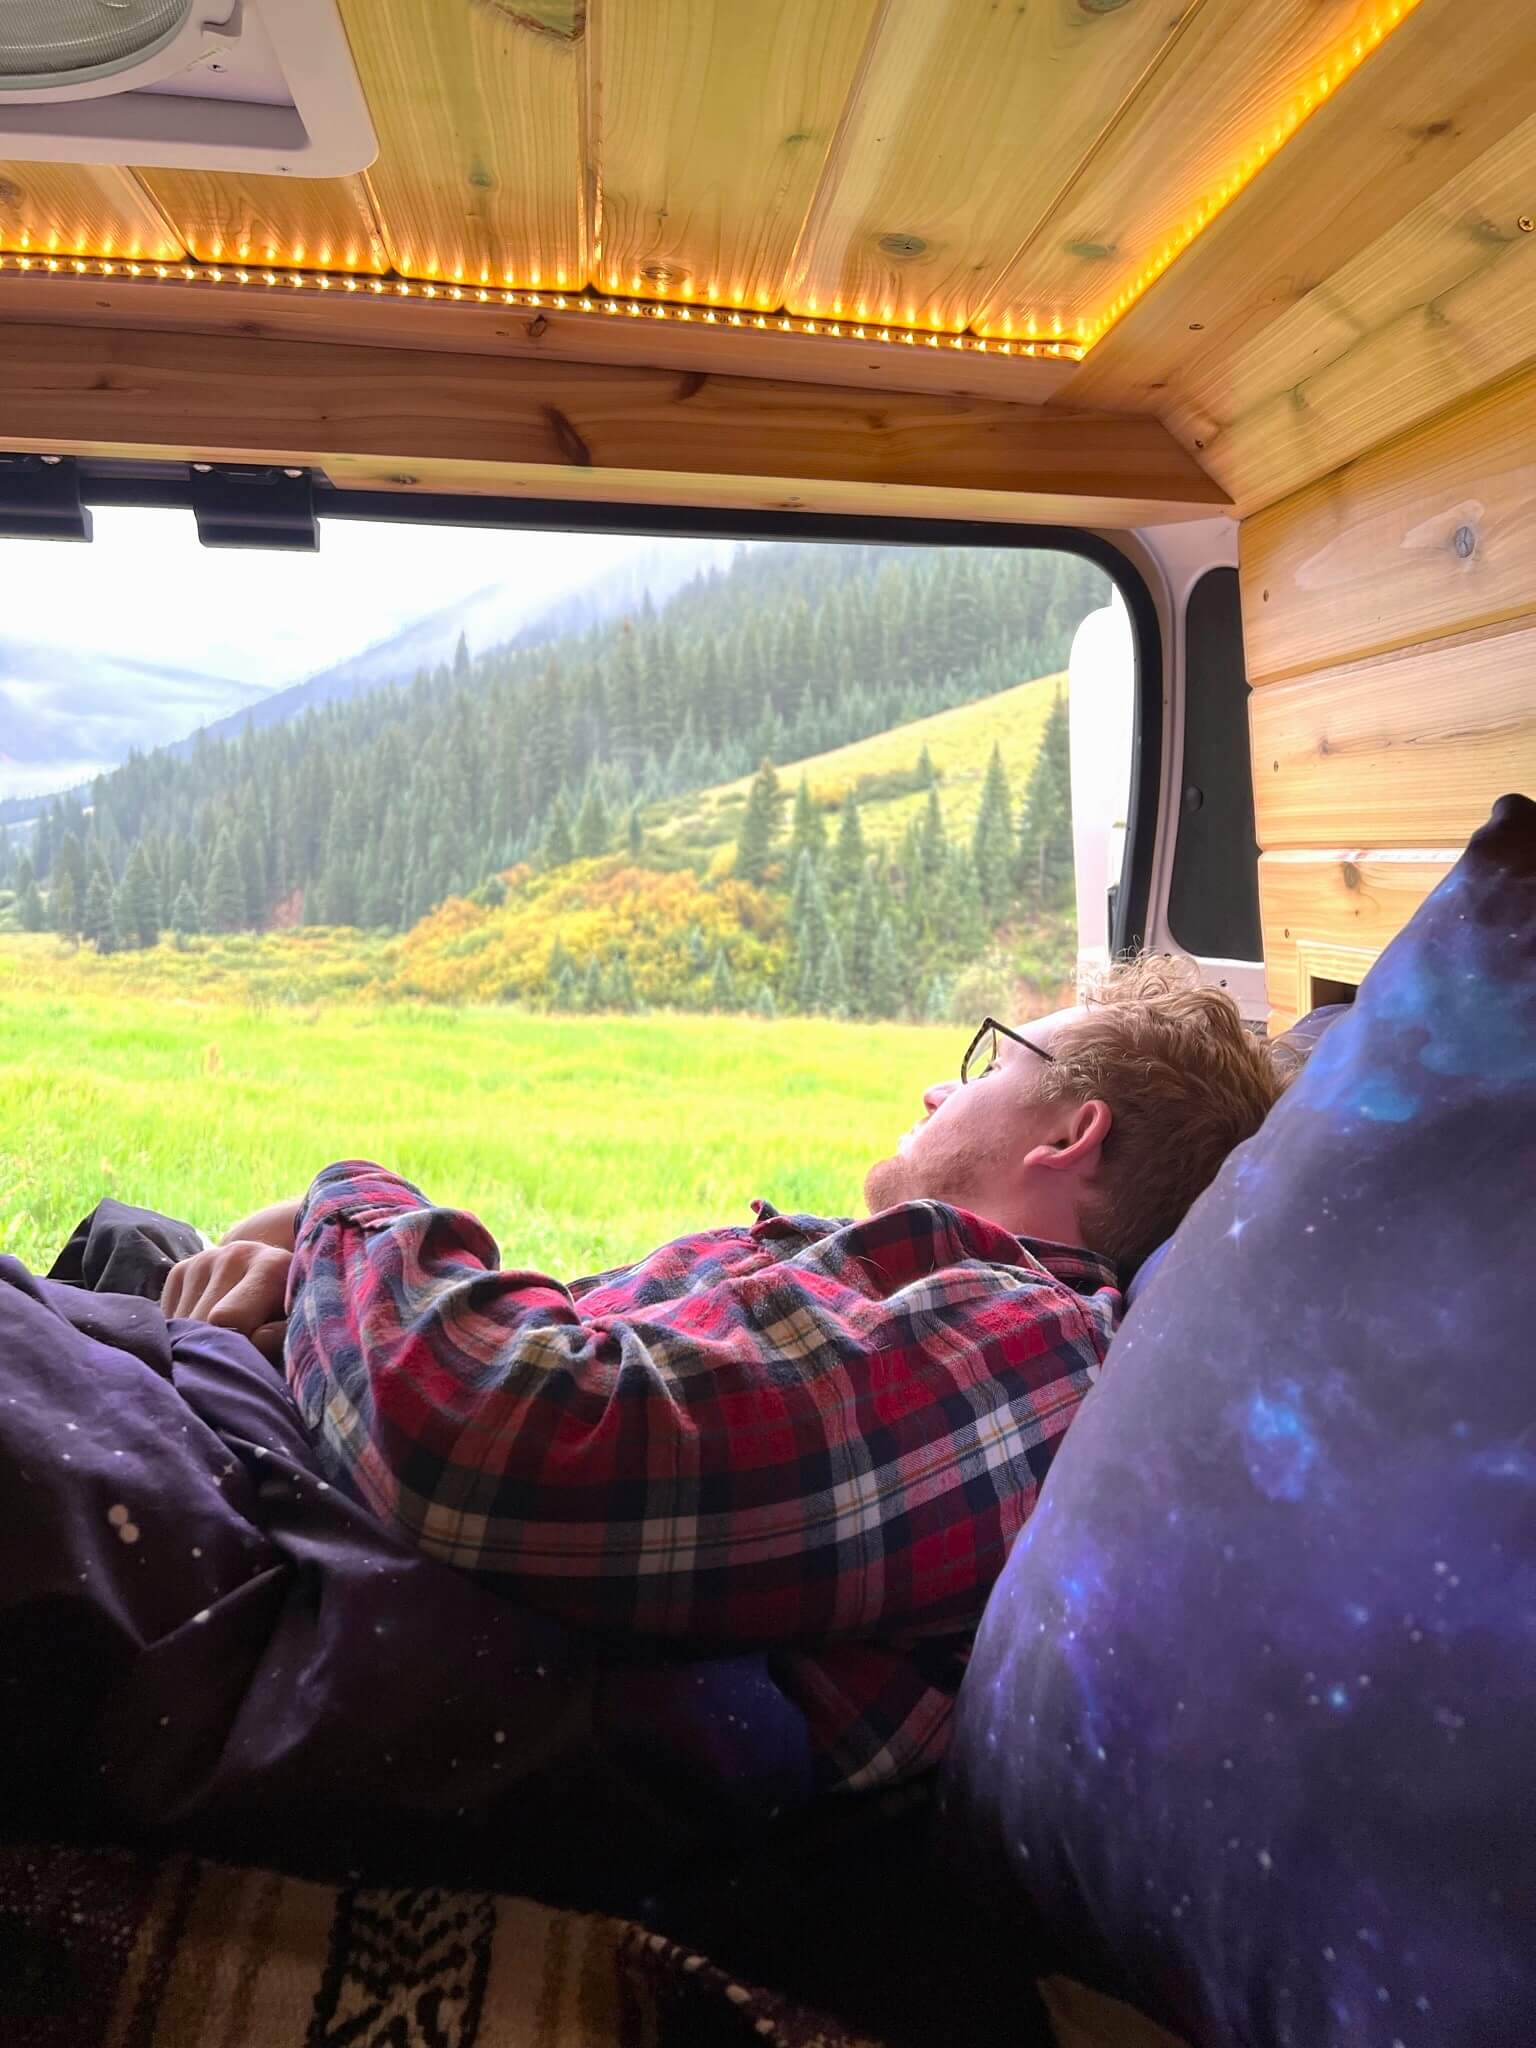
(1185, 1081)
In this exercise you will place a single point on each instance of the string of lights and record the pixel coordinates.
(1010, 333)
(602, 305)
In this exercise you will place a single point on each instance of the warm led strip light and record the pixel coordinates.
(1313, 92)
(238, 275)
(1042, 336)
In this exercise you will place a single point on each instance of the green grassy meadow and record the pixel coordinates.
(582, 1142)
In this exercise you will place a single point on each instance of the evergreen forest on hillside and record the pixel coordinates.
(505, 811)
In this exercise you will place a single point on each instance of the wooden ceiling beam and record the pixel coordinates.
(385, 321)
(391, 419)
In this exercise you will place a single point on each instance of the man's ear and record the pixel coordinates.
(1079, 1141)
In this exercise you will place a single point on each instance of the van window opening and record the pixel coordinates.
(799, 813)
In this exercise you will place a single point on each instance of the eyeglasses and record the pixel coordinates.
(981, 1053)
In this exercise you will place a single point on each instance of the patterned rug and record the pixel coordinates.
(104, 1949)
(101, 1948)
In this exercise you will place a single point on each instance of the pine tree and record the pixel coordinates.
(139, 918)
(722, 983)
(759, 826)
(831, 981)
(591, 824)
(564, 996)
(886, 976)
(808, 833)
(863, 927)
(932, 842)
(992, 839)
(926, 775)
(461, 658)
(26, 875)
(636, 833)
(224, 894)
(559, 846)
(849, 852)
(1045, 861)
(806, 984)
(621, 985)
(29, 908)
(63, 904)
(96, 924)
(592, 986)
(184, 920)
(808, 926)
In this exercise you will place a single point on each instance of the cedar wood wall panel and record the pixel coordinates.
(1390, 620)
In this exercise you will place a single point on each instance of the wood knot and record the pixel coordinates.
(1351, 875)
(537, 326)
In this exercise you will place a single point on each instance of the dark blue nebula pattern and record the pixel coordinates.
(1251, 1723)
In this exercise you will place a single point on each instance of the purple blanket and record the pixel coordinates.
(204, 1647)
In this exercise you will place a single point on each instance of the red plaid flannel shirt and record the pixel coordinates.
(816, 1438)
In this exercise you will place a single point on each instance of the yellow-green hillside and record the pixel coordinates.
(959, 743)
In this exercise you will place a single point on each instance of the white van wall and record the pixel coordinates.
(1101, 675)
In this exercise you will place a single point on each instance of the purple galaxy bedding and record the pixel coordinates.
(203, 1646)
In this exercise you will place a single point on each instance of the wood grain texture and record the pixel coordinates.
(1429, 103)
(1228, 82)
(81, 210)
(1437, 308)
(292, 223)
(1431, 535)
(385, 321)
(1408, 750)
(234, 398)
(967, 123)
(480, 173)
(710, 121)
(1324, 905)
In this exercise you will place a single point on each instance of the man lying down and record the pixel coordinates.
(795, 1432)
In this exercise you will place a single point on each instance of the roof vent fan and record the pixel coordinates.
(247, 85)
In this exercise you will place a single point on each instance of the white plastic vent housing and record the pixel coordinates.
(235, 85)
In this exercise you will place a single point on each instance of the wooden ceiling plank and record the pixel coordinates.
(384, 320)
(1439, 307)
(581, 429)
(712, 121)
(479, 176)
(967, 120)
(1401, 128)
(70, 210)
(281, 223)
(1223, 89)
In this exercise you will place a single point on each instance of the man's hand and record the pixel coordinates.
(274, 1225)
(241, 1286)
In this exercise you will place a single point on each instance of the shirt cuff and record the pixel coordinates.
(355, 1191)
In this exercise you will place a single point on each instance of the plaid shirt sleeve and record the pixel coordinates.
(741, 1440)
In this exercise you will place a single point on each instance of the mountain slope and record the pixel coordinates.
(959, 743)
(511, 613)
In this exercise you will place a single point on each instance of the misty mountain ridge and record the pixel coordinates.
(507, 613)
(67, 716)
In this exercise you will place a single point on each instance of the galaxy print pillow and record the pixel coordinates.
(1250, 1728)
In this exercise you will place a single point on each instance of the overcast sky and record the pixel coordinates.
(144, 587)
